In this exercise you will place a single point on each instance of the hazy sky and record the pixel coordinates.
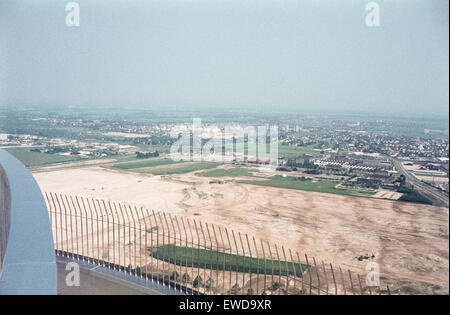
(303, 55)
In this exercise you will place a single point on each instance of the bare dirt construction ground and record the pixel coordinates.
(410, 242)
(388, 194)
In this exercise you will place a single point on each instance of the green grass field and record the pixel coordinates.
(182, 168)
(33, 159)
(290, 182)
(143, 163)
(231, 172)
(287, 151)
(155, 166)
(210, 259)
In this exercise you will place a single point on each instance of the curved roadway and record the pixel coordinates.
(431, 192)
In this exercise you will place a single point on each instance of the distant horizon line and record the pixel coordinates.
(219, 110)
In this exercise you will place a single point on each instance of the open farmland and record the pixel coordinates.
(33, 159)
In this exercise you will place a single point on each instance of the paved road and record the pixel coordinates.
(425, 188)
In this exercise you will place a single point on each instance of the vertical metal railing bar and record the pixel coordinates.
(66, 239)
(237, 260)
(98, 231)
(107, 252)
(343, 281)
(75, 209)
(157, 246)
(192, 255)
(106, 256)
(138, 242)
(250, 264)
(265, 266)
(218, 253)
(217, 256)
(155, 255)
(52, 208)
(113, 209)
(318, 278)
(148, 238)
(92, 225)
(351, 282)
(224, 260)
(326, 277)
(51, 212)
(138, 239)
(84, 253)
(129, 243)
(151, 243)
(302, 272)
(55, 222)
(131, 240)
(100, 239)
(181, 245)
(72, 217)
(294, 270)
(118, 217)
(287, 270)
(145, 244)
(210, 280)
(135, 239)
(204, 247)
(120, 236)
(142, 229)
(279, 269)
(229, 246)
(185, 277)
(51, 221)
(70, 251)
(61, 223)
(122, 217)
(163, 245)
(243, 262)
(93, 230)
(193, 244)
(257, 265)
(102, 231)
(169, 262)
(334, 280)
(175, 236)
(309, 274)
(198, 255)
(170, 238)
(271, 263)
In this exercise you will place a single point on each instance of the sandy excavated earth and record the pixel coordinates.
(410, 242)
